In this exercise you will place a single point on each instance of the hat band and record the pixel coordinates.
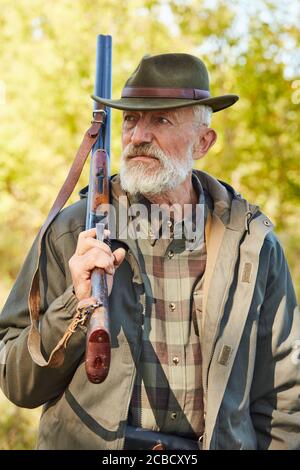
(148, 92)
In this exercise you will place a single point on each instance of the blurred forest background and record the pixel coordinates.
(47, 59)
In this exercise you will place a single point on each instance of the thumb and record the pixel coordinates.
(119, 255)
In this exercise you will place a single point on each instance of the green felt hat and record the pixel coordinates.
(168, 81)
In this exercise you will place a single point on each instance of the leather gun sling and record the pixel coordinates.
(34, 339)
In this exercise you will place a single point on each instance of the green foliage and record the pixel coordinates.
(47, 55)
(17, 427)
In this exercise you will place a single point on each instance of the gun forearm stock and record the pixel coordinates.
(97, 359)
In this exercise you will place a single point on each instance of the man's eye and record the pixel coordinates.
(129, 118)
(162, 120)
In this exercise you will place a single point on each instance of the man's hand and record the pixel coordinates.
(92, 253)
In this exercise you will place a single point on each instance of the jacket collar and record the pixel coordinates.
(227, 204)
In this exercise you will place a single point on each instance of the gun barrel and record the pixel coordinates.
(103, 84)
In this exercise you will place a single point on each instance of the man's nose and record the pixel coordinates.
(141, 133)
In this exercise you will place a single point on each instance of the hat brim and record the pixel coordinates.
(147, 104)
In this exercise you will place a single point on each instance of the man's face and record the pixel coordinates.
(158, 149)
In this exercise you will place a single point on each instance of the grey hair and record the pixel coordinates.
(202, 114)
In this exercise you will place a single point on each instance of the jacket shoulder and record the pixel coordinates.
(70, 219)
(273, 248)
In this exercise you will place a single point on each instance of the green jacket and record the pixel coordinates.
(251, 331)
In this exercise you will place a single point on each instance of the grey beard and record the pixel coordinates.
(142, 178)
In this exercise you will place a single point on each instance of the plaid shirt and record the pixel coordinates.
(168, 392)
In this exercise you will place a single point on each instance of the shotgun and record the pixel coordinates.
(97, 358)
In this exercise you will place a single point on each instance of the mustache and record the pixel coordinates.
(148, 150)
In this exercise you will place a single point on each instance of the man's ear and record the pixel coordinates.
(207, 138)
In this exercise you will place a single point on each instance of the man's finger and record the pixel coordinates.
(88, 243)
(119, 255)
(87, 233)
(92, 233)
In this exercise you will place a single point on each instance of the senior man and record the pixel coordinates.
(204, 323)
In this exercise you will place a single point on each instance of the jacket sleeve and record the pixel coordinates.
(275, 394)
(23, 382)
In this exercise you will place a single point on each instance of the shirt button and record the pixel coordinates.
(176, 360)
(173, 416)
(170, 254)
(172, 306)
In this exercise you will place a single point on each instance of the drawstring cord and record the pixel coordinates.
(248, 217)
